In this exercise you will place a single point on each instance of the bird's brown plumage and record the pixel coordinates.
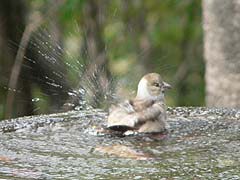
(147, 112)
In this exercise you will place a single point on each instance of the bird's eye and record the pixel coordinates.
(156, 84)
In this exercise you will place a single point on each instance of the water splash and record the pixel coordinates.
(53, 57)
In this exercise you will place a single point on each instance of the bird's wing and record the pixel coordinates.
(127, 106)
(119, 116)
(141, 104)
(150, 113)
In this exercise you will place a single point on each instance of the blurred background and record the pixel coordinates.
(59, 54)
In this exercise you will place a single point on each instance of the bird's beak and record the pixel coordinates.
(166, 86)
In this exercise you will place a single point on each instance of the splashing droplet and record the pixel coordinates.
(35, 99)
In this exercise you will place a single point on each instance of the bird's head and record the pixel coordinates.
(151, 86)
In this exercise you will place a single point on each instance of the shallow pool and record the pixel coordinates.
(202, 144)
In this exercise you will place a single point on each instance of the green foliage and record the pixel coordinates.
(175, 34)
(172, 28)
(71, 11)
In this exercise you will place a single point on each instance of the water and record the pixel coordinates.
(203, 144)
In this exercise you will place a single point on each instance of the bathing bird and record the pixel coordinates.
(146, 113)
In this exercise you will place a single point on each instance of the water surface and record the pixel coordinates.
(203, 144)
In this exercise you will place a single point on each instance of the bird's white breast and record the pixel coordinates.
(142, 92)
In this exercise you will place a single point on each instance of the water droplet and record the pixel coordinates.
(35, 99)
(72, 94)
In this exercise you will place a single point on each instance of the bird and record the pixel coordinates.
(146, 113)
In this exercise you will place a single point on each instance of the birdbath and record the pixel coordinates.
(202, 143)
